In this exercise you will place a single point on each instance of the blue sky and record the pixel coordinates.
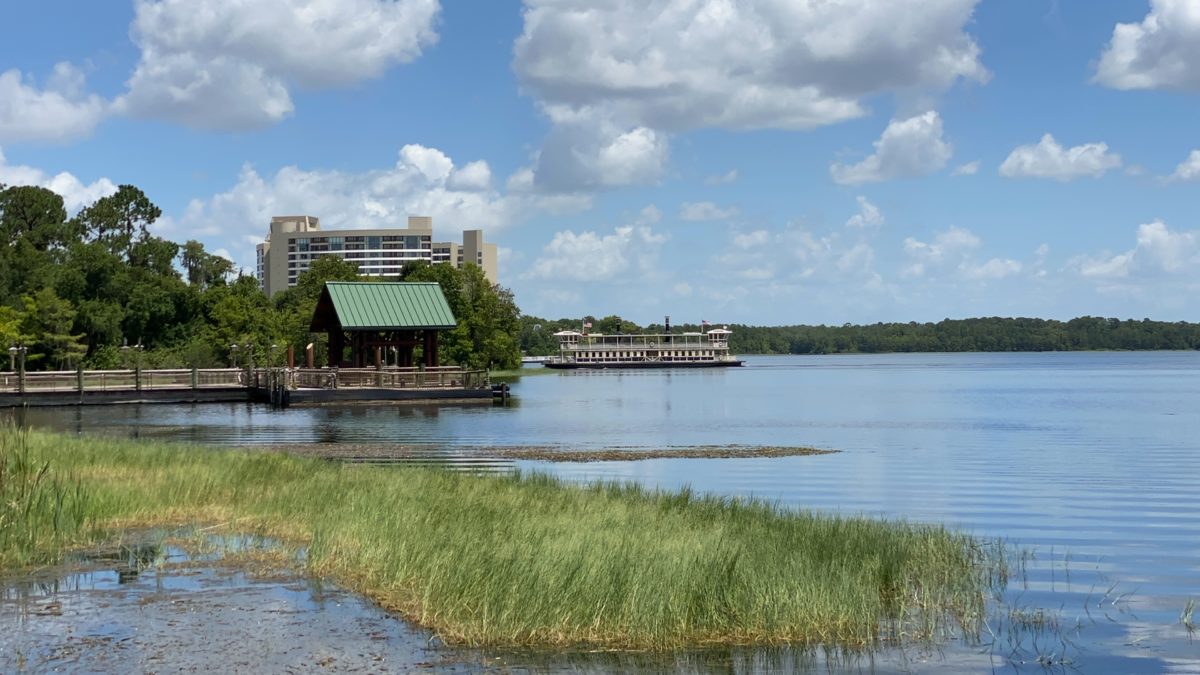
(762, 161)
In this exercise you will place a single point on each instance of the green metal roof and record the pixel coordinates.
(383, 306)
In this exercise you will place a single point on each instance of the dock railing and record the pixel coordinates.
(446, 377)
(82, 381)
(60, 381)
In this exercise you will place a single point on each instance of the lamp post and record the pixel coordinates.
(17, 353)
(137, 363)
(233, 349)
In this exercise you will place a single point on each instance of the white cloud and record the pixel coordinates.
(589, 154)
(911, 147)
(669, 66)
(422, 182)
(746, 65)
(722, 178)
(696, 211)
(683, 289)
(60, 111)
(1188, 169)
(225, 64)
(1161, 52)
(860, 257)
(589, 256)
(473, 177)
(751, 239)
(953, 251)
(649, 215)
(868, 215)
(1048, 159)
(75, 193)
(1159, 252)
(968, 169)
(996, 268)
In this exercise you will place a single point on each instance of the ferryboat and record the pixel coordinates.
(579, 350)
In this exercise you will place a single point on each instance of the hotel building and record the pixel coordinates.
(295, 241)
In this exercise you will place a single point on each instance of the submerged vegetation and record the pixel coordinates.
(521, 559)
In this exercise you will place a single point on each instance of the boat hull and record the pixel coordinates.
(642, 365)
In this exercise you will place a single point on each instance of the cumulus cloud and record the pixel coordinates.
(1188, 169)
(75, 193)
(59, 111)
(473, 177)
(722, 178)
(423, 181)
(868, 215)
(1158, 252)
(590, 256)
(696, 211)
(593, 154)
(222, 64)
(745, 240)
(1161, 52)
(968, 169)
(952, 250)
(746, 65)
(780, 64)
(910, 147)
(1048, 159)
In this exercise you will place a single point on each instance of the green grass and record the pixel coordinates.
(526, 560)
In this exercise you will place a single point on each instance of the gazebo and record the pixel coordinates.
(375, 316)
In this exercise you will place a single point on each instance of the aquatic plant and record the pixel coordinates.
(530, 560)
(40, 509)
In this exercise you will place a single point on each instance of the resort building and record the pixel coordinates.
(293, 242)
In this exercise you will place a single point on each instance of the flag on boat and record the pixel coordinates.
(587, 324)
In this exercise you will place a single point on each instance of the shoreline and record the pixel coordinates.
(524, 560)
(546, 453)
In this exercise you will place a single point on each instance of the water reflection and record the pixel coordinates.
(1086, 459)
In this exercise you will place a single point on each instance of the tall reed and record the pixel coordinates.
(41, 510)
(530, 560)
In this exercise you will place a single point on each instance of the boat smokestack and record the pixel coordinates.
(667, 324)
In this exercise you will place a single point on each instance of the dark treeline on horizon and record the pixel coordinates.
(991, 334)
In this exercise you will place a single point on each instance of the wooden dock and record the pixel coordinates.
(278, 386)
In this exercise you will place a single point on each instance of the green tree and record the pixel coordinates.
(203, 269)
(119, 220)
(35, 215)
(48, 320)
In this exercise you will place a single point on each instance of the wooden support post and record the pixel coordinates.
(378, 367)
(309, 355)
(291, 356)
(137, 377)
(337, 344)
(195, 378)
(79, 380)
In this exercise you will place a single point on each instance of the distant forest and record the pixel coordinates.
(993, 334)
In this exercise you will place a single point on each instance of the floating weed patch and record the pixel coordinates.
(528, 560)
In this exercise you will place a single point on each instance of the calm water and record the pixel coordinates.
(1088, 460)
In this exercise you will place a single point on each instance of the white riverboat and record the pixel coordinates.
(708, 349)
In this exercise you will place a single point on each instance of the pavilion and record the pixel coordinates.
(373, 317)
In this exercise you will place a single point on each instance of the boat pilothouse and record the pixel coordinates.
(581, 349)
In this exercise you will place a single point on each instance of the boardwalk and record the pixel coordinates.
(315, 385)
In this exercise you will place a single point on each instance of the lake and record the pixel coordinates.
(1087, 460)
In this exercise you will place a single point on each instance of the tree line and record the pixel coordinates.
(992, 334)
(98, 290)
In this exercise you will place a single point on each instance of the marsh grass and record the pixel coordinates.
(40, 510)
(527, 560)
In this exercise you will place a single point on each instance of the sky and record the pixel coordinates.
(754, 161)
